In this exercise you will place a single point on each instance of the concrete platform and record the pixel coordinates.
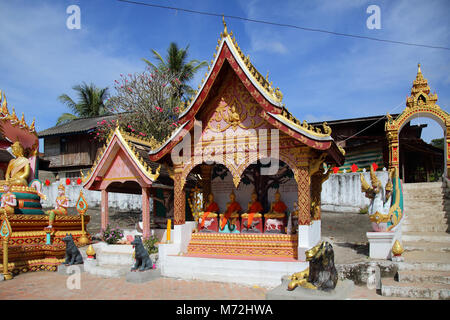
(63, 269)
(341, 292)
(143, 276)
(247, 272)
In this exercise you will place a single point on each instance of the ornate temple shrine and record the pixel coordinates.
(34, 242)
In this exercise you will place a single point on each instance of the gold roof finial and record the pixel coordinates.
(32, 126)
(225, 31)
(418, 68)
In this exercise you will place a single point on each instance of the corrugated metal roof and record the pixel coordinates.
(76, 126)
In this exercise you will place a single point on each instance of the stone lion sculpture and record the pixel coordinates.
(321, 273)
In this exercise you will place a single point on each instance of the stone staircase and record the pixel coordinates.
(113, 261)
(425, 273)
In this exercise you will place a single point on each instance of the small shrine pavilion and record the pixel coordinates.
(123, 166)
(237, 119)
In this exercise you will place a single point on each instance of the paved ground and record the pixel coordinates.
(345, 230)
(51, 285)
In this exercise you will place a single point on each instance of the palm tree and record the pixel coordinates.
(176, 62)
(91, 103)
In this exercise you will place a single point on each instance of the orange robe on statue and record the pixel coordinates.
(256, 207)
(279, 207)
(233, 207)
(213, 207)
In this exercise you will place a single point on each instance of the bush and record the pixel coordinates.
(112, 236)
(150, 244)
(364, 210)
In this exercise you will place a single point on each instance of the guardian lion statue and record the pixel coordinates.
(321, 274)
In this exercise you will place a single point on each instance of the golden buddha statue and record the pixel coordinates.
(254, 210)
(8, 200)
(210, 210)
(18, 169)
(233, 207)
(277, 208)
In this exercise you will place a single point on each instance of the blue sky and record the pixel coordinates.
(322, 76)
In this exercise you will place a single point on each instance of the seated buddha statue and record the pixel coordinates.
(18, 169)
(231, 213)
(277, 208)
(62, 203)
(8, 200)
(254, 210)
(275, 218)
(211, 210)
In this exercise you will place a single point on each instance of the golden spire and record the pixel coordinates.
(22, 121)
(14, 116)
(5, 110)
(225, 31)
(32, 126)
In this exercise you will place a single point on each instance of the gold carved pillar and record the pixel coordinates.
(206, 178)
(303, 179)
(392, 138)
(179, 197)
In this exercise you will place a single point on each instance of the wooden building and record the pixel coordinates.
(71, 147)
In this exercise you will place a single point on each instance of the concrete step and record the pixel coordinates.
(422, 186)
(423, 214)
(426, 246)
(413, 219)
(429, 207)
(424, 227)
(108, 271)
(115, 258)
(424, 266)
(392, 288)
(427, 256)
(426, 236)
(441, 277)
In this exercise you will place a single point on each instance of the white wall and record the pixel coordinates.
(342, 191)
(119, 201)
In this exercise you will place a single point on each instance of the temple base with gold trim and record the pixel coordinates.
(28, 249)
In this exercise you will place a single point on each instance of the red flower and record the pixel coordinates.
(354, 167)
(374, 166)
(47, 182)
(335, 169)
(79, 181)
(67, 181)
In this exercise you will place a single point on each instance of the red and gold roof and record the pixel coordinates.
(261, 89)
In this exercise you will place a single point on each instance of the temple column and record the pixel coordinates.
(179, 198)
(309, 232)
(146, 212)
(104, 214)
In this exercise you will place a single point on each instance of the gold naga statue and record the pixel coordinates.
(386, 204)
(18, 169)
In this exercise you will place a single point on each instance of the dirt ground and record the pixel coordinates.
(346, 231)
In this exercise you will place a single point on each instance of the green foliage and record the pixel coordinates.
(364, 210)
(150, 244)
(91, 103)
(438, 143)
(112, 236)
(176, 62)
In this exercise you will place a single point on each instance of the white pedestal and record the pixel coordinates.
(308, 237)
(380, 243)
